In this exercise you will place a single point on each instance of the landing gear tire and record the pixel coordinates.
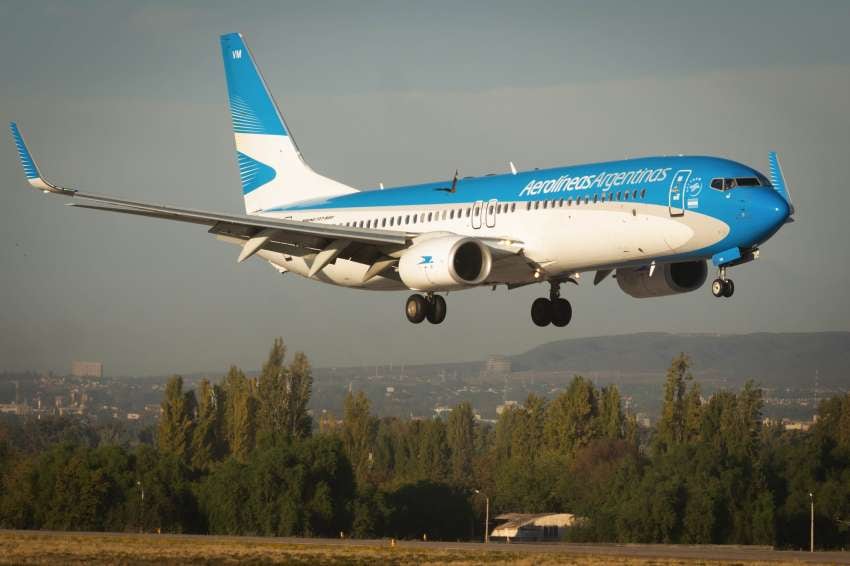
(416, 308)
(541, 311)
(436, 310)
(722, 288)
(718, 286)
(562, 312)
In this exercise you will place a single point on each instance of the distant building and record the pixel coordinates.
(87, 369)
(497, 365)
(797, 425)
(14, 408)
(133, 416)
(537, 527)
(505, 406)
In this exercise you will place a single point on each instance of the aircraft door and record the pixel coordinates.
(477, 213)
(677, 192)
(490, 213)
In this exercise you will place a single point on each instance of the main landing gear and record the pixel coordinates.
(554, 310)
(722, 287)
(430, 306)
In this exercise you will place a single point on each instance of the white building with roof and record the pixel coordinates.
(532, 527)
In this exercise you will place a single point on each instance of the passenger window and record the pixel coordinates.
(490, 210)
(430, 216)
(536, 204)
(383, 222)
(595, 197)
(513, 206)
(569, 202)
(643, 193)
(468, 210)
(634, 194)
(626, 195)
(545, 203)
(528, 205)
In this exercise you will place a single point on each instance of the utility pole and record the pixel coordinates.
(812, 529)
(486, 516)
(142, 507)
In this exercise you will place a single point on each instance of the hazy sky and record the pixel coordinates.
(128, 98)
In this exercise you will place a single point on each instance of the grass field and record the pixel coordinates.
(71, 548)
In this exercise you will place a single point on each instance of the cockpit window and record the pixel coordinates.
(732, 182)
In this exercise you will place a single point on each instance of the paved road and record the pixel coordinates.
(670, 551)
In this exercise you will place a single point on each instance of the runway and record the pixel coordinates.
(723, 553)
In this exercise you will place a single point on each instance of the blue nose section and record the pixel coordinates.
(769, 210)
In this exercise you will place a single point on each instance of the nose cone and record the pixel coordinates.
(769, 209)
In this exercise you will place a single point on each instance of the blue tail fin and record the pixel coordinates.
(252, 109)
(271, 168)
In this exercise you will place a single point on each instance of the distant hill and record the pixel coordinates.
(774, 359)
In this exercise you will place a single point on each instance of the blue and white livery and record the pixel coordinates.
(655, 222)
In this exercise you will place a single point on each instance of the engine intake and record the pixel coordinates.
(445, 263)
(667, 279)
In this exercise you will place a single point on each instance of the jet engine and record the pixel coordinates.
(444, 263)
(666, 279)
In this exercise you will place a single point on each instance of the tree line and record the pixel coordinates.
(244, 456)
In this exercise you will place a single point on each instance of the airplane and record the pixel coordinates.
(654, 222)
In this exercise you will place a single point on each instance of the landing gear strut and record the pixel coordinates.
(722, 287)
(419, 307)
(554, 310)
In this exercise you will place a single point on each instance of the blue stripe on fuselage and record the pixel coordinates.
(510, 187)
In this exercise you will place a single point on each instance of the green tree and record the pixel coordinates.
(174, 433)
(283, 396)
(671, 426)
(207, 436)
(571, 417)
(461, 440)
(299, 387)
(611, 420)
(433, 451)
(358, 427)
(240, 413)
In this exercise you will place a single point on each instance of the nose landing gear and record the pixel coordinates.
(722, 287)
(419, 307)
(554, 310)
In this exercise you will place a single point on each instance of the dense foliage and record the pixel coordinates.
(241, 457)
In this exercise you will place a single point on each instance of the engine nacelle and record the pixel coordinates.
(445, 263)
(667, 279)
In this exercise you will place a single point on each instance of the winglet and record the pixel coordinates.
(778, 179)
(30, 169)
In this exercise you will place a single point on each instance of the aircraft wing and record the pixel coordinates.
(325, 241)
(237, 224)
